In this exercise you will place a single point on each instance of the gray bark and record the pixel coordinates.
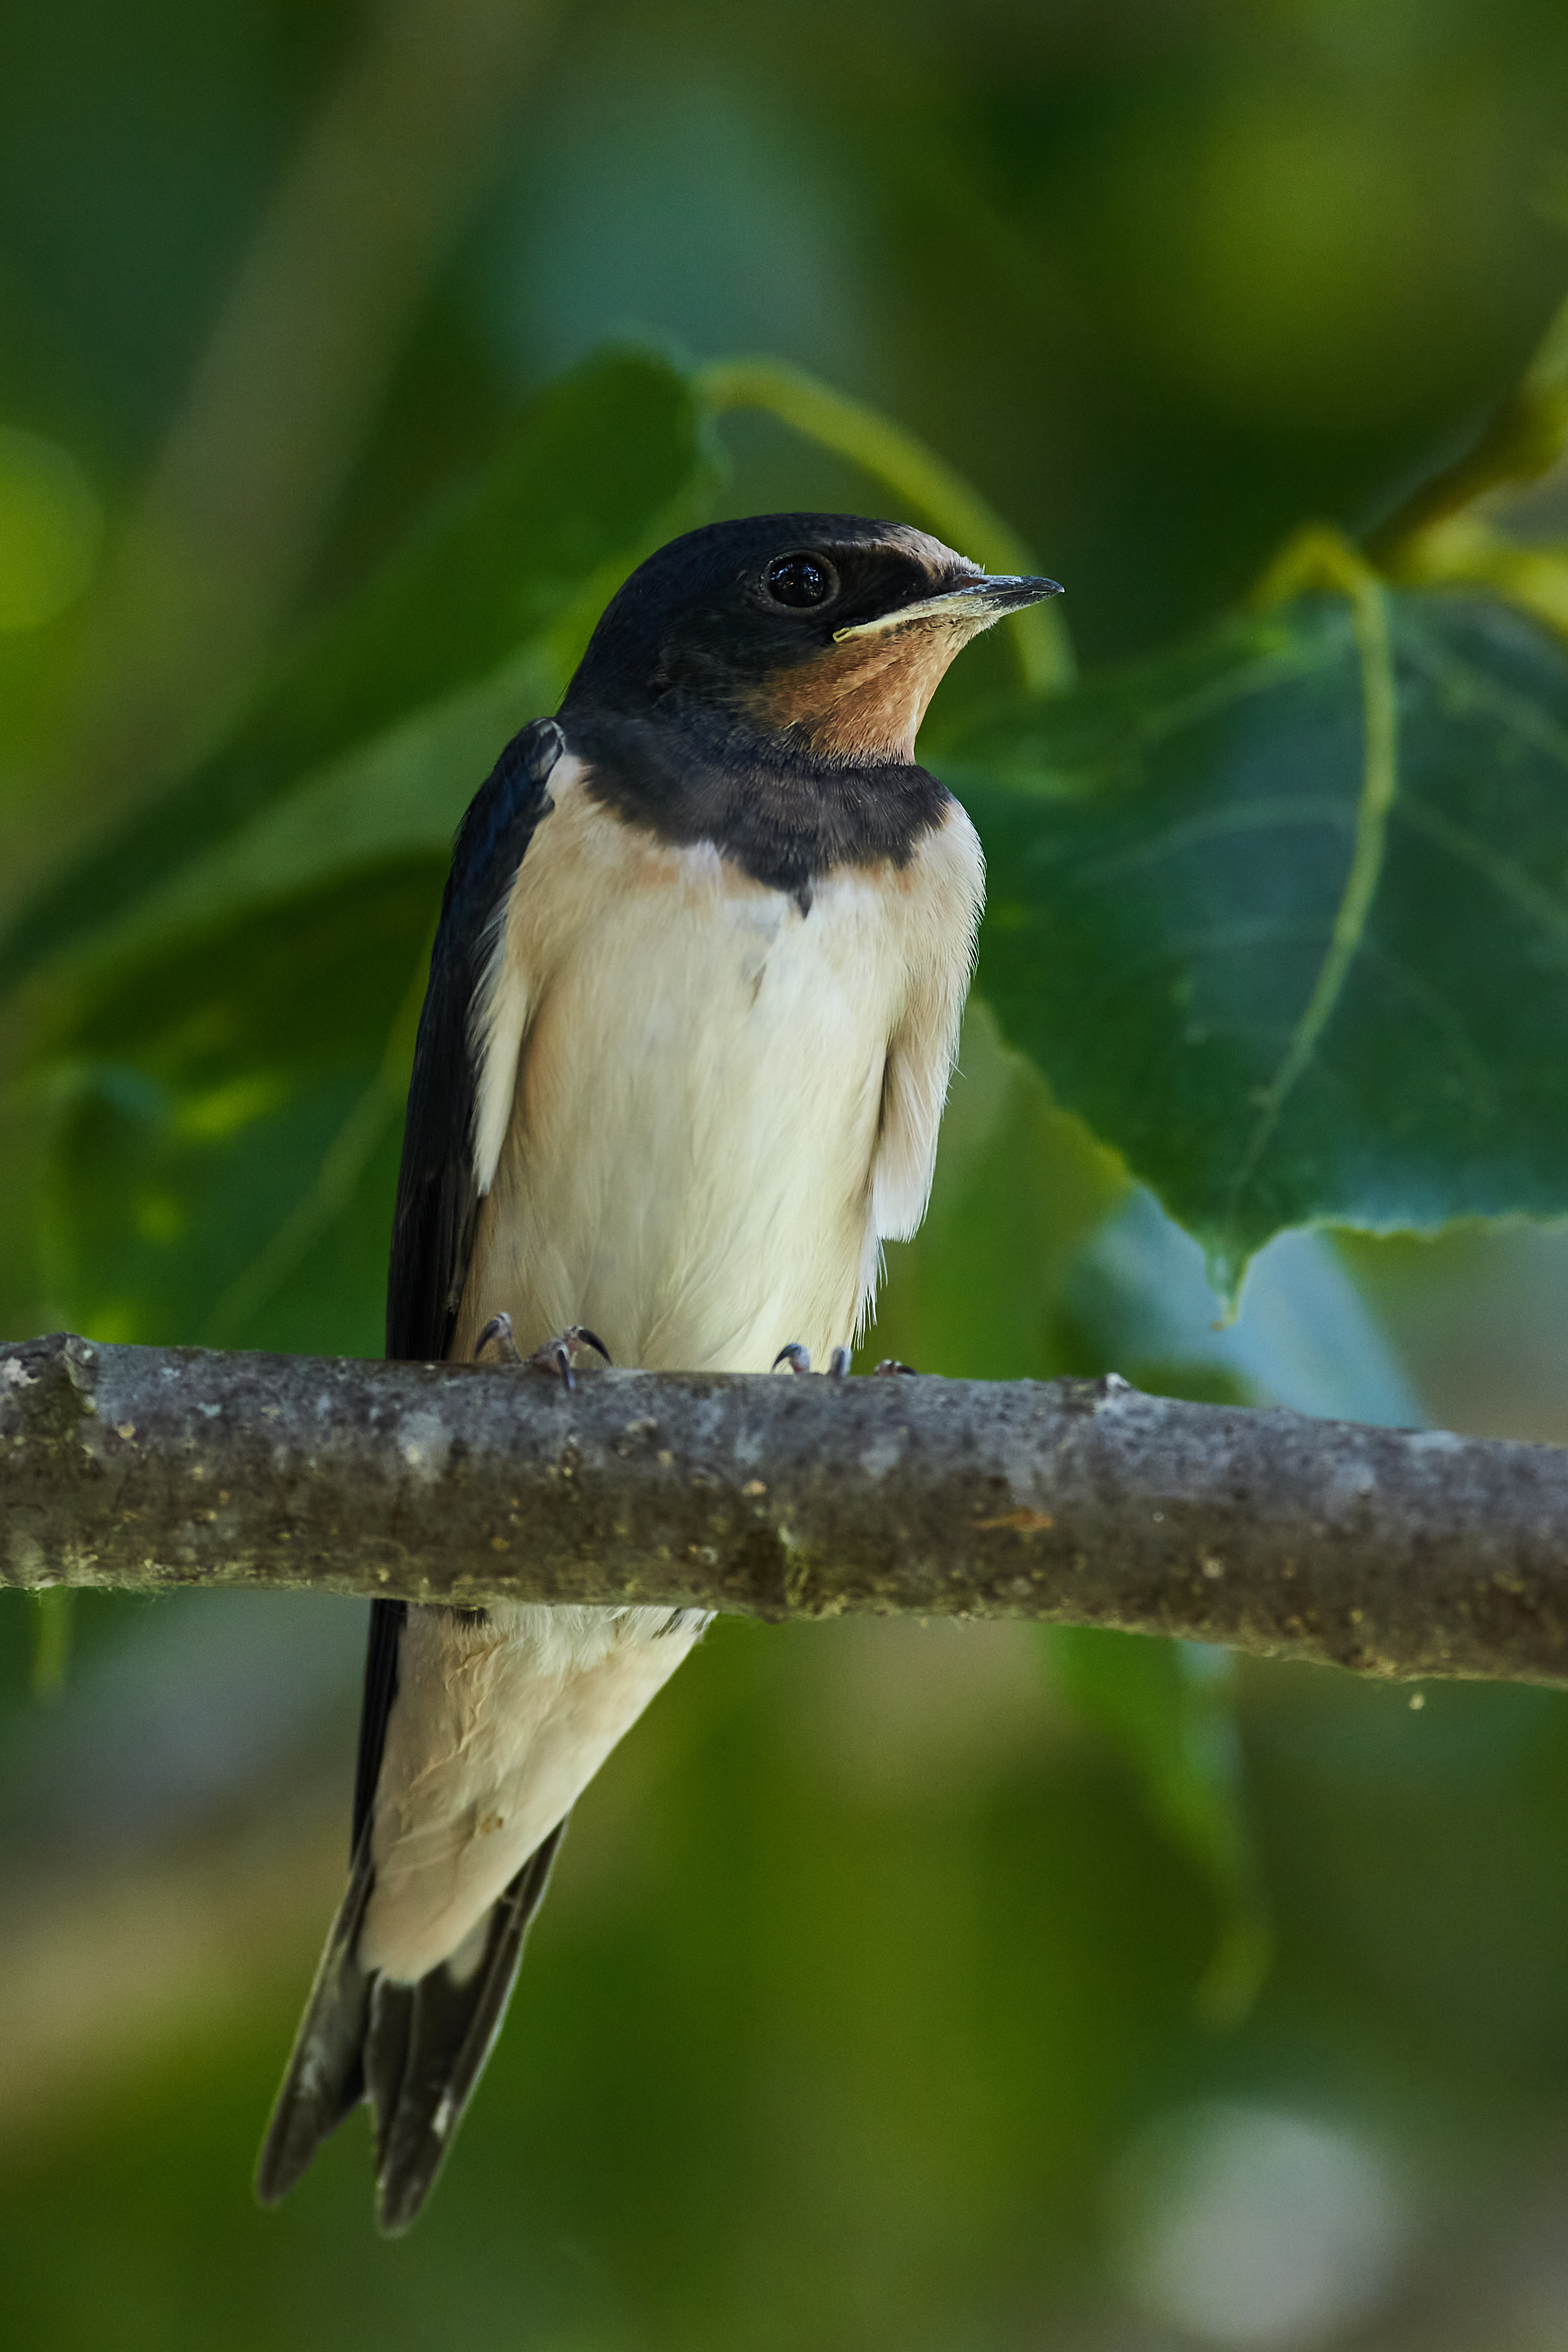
(1390, 1552)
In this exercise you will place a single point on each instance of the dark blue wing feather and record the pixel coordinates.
(432, 1223)
(419, 2049)
(437, 1200)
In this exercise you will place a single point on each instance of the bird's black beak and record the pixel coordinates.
(974, 603)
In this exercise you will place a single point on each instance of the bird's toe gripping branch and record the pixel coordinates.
(798, 1359)
(555, 1356)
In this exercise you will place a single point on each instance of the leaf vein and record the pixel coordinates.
(1380, 782)
(1543, 734)
(1509, 880)
(1253, 816)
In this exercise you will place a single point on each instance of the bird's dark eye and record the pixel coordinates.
(800, 580)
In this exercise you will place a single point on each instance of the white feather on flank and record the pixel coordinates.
(922, 1052)
(698, 1113)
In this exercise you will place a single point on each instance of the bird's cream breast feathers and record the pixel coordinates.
(701, 1107)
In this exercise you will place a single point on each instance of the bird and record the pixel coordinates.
(691, 1018)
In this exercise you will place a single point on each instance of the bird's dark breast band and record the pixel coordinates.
(787, 822)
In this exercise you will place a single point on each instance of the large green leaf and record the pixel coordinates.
(598, 468)
(1285, 918)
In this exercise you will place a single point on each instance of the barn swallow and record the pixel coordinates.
(693, 1011)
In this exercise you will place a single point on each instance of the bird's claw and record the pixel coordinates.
(798, 1359)
(890, 1364)
(556, 1354)
(499, 1330)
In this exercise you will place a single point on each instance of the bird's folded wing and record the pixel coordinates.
(437, 1189)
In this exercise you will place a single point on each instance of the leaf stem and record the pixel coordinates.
(921, 479)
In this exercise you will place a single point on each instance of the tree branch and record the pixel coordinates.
(1389, 1553)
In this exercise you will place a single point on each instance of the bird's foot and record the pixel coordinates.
(498, 1333)
(554, 1357)
(798, 1359)
(890, 1364)
(556, 1354)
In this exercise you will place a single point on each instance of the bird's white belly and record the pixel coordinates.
(687, 1165)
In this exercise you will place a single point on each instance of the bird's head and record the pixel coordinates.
(820, 635)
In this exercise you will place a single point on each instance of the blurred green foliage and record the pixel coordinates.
(877, 1948)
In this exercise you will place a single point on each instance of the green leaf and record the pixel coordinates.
(598, 468)
(394, 800)
(1285, 918)
(223, 1157)
(1167, 1708)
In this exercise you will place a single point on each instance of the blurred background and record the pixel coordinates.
(949, 1988)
